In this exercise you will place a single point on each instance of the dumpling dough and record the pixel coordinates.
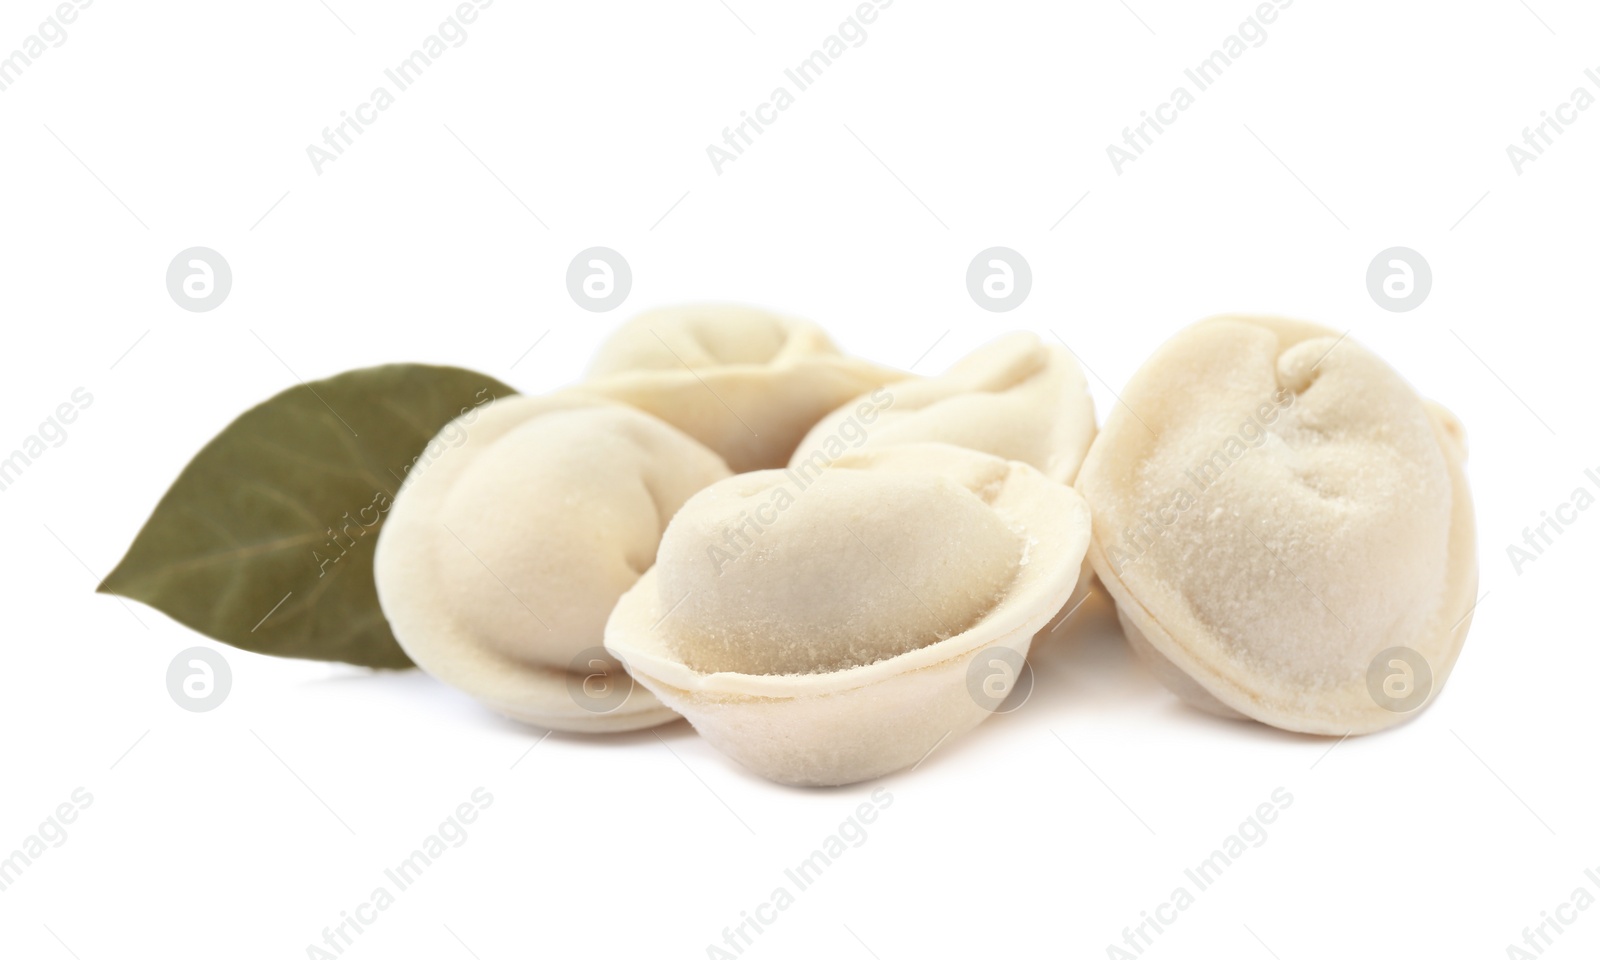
(1273, 507)
(746, 383)
(818, 599)
(1015, 397)
(825, 631)
(502, 558)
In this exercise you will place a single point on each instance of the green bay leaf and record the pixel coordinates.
(265, 541)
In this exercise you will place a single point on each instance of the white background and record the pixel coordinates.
(1354, 127)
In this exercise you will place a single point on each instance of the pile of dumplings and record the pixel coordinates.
(808, 555)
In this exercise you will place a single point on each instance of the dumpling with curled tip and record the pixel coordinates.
(1280, 519)
(1015, 397)
(824, 631)
(746, 383)
(504, 554)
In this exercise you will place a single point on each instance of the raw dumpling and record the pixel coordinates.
(502, 557)
(746, 383)
(1015, 397)
(1285, 527)
(828, 631)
